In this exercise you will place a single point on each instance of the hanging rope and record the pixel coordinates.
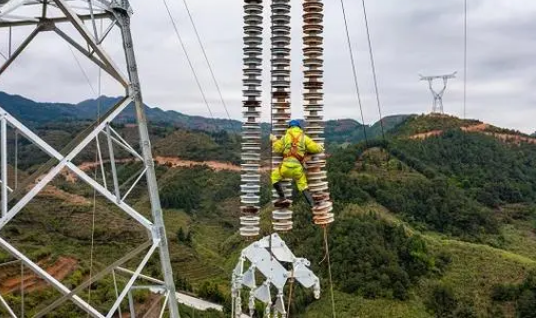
(290, 292)
(465, 60)
(354, 70)
(82, 70)
(207, 59)
(16, 159)
(373, 66)
(98, 162)
(22, 300)
(326, 245)
(179, 37)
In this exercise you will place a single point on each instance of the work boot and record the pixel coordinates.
(280, 191)
(309, 198)
(282, 202)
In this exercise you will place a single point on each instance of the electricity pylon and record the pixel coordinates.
(83, 16)
(437, 106)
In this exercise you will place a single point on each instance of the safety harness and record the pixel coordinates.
(296, 141)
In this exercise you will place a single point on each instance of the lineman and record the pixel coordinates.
(294, 146)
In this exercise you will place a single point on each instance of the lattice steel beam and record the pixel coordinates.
(119, 12)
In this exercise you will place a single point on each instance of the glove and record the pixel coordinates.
(273, 138)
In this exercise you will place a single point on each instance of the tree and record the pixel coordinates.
(526, 305)
(442, 301)
(181, 237)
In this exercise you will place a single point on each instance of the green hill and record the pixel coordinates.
(438, 226)
(40, 115)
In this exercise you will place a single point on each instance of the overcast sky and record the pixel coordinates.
(409, 37)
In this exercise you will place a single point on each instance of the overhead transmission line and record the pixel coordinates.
(465, 59)
(206, 58)
(373, 66)
(192, 68)
(354, 70)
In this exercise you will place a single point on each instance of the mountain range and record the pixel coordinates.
(438, 220)
(35, 113)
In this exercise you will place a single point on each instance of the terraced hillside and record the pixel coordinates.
(442, 226)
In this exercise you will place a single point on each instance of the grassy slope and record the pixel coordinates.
(475, 268)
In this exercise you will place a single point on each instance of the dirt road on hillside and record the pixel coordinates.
(480, 128)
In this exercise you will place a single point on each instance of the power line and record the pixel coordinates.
(177, 33)
(82, 71)
(354, 71)
(206, 58)
(465, 61)
(373, 65)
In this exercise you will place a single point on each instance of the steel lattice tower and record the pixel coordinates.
(437, 105)
(75, 14)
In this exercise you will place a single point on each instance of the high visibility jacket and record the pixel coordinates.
(295, 145)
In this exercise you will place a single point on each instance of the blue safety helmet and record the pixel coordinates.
(294, 123)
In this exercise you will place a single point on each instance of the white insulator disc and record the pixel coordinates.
(250, 188)
(250, 178)
(251, 157)
(250, 231)
(250, 167)
(282, 215)
(324, 219)
(250, 220)
(318, 187)
(316, 175)
(283, 226)
(250, 199)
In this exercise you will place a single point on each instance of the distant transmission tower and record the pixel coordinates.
(81, 17)
(437, 106)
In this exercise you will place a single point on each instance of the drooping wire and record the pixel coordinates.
(82, 70)
(291, 289)
(23, 299)
(326, 244)
(97, 157)
(354, 70)
(465, 60)
(207, 59)
(16, 160)
(373, 66)
(192, 68)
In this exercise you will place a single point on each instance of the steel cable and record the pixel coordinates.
(207, 59)
(354, 70)
(192, 68)
(373, 66)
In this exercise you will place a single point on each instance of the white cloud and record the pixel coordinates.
(409, 37)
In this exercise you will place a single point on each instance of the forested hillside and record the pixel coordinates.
(42, 115)
(436, 220)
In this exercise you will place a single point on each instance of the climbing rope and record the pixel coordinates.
(116, 292)
(10, 40)
(97, 163)
(211, 70)
(22, 300)
(326, 244)
(373, 67)
(354, 70)
(16, 160)
(290, 292)
(192, 68)
(82, 70)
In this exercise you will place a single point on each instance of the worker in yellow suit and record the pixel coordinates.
(294, 146)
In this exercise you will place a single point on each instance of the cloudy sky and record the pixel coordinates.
(409, 37)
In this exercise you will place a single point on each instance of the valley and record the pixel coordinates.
(437, 220)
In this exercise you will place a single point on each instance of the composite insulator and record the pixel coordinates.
(280, 105)
(251, 130)
(314, 105)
